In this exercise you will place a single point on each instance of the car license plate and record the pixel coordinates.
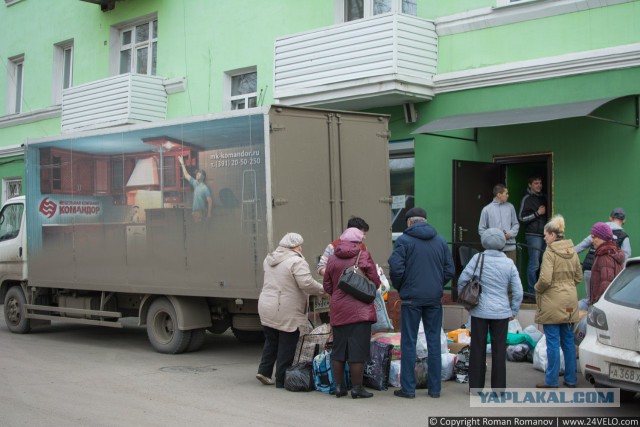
(623, 373)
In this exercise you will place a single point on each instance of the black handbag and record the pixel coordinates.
(469, 297)
(356, 284)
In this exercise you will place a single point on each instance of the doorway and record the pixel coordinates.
(472, 190)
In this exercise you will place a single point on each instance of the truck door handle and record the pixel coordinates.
(20, 251)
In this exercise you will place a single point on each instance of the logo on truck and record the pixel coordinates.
(48, 207)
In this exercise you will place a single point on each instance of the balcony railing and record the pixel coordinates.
(118, 100)
(385, 60)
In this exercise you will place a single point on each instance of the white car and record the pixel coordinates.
(610, 351)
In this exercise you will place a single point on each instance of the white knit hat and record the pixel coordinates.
(291, 240)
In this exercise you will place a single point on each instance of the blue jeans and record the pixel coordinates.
(560, 336)
(535, 248)
(431, 316)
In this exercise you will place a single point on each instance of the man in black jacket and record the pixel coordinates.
(533, 216)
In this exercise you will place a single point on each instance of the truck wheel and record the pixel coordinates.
(15, 311)
(248, 336)
(197, 339)
(162, 328)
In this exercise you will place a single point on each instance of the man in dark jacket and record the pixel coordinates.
(533, 216)
(420, 266)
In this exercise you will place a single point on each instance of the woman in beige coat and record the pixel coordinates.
(557, 301)
(283, 306)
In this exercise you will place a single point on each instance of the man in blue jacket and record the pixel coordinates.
(420, 265)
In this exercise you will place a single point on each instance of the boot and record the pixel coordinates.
(359, 391)
(340, 390)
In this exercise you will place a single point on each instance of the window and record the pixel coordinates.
(63, 69)
(401, 168)
(11, 187)
(242, 89)
(139, 48)
(15, 74)
(358, 9)
(10, 219)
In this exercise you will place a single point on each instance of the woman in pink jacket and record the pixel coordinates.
(351, 319)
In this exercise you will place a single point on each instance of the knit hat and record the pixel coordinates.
(352, 235)
(493, 238)
(291, 240)
(618, 213)
(602, 230)
(415, 212)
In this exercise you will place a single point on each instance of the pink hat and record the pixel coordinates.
(352, 235)
(602, 230)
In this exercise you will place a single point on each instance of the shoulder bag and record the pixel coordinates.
(469, 297)
(356, 284)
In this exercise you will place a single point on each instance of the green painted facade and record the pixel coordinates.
(594, 163)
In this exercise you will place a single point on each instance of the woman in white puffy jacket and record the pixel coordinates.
(493, 312)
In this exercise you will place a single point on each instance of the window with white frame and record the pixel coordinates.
(62, 69)
(15, 86)
(11, 187)
(243, 90)
(358, 9)
(139, 48)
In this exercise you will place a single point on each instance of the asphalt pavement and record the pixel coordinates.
(81, 375)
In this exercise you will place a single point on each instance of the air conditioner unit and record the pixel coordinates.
(410, 114)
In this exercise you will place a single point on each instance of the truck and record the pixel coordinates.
(170, 222)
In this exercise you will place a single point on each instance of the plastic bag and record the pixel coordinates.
(540, 356)
(384, 282)
(448, 360)
(421, 343)
(533, 332)
(517, 353)
(383, 323)
(421, 370)
(376, 370)
(299, 377)
(581, 331)
(514, 327)
(394, 373)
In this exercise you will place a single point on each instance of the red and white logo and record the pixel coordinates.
(48, 207)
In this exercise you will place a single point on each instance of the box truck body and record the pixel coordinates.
(116, 226)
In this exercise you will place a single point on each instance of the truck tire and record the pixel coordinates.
(15, 311)
(162, 328)
(197, 339)
(248, 336)
(220, 326)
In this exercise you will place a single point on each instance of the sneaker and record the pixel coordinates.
(569, 385)
(264, 379)
(434, 395)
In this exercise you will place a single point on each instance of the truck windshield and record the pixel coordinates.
(10, 219)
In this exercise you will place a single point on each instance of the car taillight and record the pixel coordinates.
(597, 318)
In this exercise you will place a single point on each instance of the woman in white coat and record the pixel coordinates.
(283, 306)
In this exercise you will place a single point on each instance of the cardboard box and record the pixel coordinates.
(455, 347)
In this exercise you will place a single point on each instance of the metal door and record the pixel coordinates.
(472, 190)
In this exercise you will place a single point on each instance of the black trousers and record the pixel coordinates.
(478, 360)
(279, 346)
